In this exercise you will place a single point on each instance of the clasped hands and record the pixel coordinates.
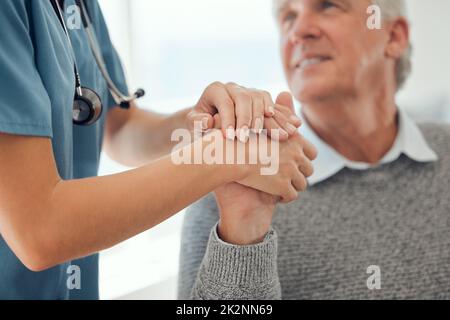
(246, 206)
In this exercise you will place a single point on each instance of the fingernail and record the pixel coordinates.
(205, 123)
(271, 110)
(294, 118)
(230, 133)
(258, 125)
(276, 134)
(244, 134)
(291, 129)
(283, 133)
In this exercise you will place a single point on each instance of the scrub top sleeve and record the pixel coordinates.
(25, 107)
(110, 55)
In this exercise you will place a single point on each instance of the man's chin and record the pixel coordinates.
(311, 93)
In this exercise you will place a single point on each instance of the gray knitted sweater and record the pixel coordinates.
(395, 217)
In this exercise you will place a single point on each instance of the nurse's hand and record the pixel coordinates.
(230, 106)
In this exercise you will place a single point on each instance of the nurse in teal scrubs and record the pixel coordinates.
(53, 208)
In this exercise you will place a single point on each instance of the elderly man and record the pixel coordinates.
(375, 221)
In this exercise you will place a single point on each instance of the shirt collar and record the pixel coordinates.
(409, 141)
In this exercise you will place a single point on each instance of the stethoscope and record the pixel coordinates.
(87, 105)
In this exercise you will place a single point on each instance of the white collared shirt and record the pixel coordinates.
(409, 141)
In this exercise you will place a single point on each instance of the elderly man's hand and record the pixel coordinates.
(294, 166)
(229, 106)
(246, 208)
(245, 214)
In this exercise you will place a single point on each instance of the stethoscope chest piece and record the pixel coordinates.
(87, 107)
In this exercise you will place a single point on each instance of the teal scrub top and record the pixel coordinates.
(37, 87)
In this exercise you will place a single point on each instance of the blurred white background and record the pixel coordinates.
(174, 49)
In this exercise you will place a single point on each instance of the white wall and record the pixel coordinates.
(430, 23)
(429, 83)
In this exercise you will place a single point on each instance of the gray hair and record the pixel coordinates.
(391, 9)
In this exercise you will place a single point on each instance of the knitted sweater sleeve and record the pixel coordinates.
(238, 272)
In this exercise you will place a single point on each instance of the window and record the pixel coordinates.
(174, 49)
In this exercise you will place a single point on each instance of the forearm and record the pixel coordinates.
(145, 137)
(230, 272)
(80, 217)
(90, 215)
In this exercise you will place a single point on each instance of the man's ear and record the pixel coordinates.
(398, 38)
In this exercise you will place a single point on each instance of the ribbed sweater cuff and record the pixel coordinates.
(241, 265)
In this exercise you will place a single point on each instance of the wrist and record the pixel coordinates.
(182, 118)
(241, 233)
(227, 160)
(248, 156)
